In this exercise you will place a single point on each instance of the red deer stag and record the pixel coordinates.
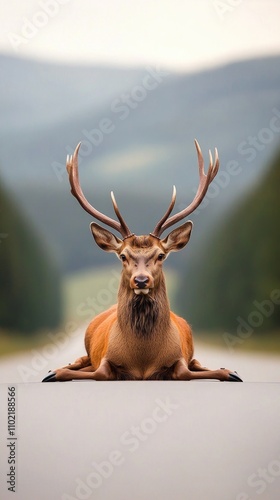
(139, 338)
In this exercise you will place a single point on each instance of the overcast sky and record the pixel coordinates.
(177, 34)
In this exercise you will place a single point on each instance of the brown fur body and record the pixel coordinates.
(139, 338)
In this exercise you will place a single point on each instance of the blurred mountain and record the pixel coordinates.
(38, 94)
(234, 282)
(137, 128)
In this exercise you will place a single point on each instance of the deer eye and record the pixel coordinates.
(123, 257)
(161, 257)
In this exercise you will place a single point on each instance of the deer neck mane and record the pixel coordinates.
(143, 315)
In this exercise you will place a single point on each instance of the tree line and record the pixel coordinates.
(30, 282)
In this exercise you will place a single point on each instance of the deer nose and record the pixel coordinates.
(141, 281)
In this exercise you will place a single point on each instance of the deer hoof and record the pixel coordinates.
(234, 377)
(51, 377)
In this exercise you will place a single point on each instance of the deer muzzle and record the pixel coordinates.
(141, 284)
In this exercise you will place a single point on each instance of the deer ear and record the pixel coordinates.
(105, 239)
(178, 238)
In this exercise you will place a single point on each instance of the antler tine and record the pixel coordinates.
(204, 181)
(167, 213)
(200, 158)
(76, 190)
(120, 217)
(216, 165)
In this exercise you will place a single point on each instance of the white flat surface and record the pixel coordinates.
(144, 441)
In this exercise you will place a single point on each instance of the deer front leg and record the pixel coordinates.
(80, 363)
(182, 372)
(103, 372)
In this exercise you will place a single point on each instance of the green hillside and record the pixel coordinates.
(234, 284)
(29, 281)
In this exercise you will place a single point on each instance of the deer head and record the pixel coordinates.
(142, 256)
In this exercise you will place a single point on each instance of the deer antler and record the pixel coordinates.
(72, 169)
(204, 182)
(165, 216)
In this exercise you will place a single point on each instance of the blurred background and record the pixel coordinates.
(136, 82)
